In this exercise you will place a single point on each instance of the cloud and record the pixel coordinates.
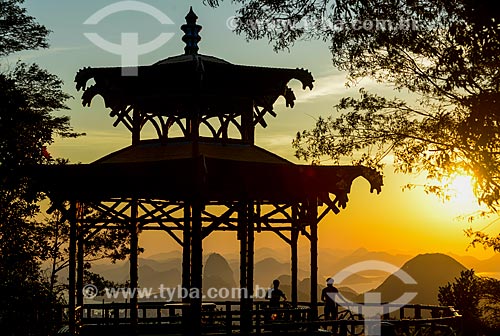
(334, 85)
(323, 86)
(33, 54)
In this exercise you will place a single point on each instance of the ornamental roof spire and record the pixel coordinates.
(191, 33)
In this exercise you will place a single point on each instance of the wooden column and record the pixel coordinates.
(313, 215)
(80, 268)
(186, 266)
(196, 267)
(72, 269)
(250, 254)
(247, 120)
(294, 238)
(134, 265)
(243, 238)
(186, 249)
(246, 236)
(136, 126)
(196, 222)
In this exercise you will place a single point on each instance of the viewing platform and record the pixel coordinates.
(224, 318)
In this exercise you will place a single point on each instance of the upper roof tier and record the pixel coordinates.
(178, 79)
(181, 87)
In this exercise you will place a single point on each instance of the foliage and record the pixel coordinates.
(28, 96)
(491, 306)
(484, 239)
(26, 127)
(18, 30)
(464, 294)
(23, 291)
(441, 57)
(477, 300)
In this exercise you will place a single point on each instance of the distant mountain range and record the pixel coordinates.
(429, 270)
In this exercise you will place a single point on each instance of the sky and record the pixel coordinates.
(409, 221)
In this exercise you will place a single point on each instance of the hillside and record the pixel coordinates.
(430, 271)
(217, 273)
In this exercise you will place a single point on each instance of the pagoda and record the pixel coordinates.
(203, 172)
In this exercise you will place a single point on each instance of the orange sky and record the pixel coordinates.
(409, 222)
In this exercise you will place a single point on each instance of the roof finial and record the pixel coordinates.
(191, 33)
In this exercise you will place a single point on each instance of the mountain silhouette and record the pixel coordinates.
(217, 273)
(430, 271)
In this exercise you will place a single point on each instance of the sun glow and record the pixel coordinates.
(462, 198)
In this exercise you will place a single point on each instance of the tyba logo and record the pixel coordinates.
(129, 49)
(372, 308)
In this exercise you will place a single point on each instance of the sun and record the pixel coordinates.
(461, 193)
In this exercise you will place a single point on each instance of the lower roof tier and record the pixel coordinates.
(208, 172)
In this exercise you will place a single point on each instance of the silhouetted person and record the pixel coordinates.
(275, 294)
(328, 297)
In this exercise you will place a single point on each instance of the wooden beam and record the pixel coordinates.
(305, 233)
(278, 209)
(217, 221)
(117, 215)
(278, 232)
(123, 117)
(86, 234)
(174, 236)
(324, 213)
(167, 215)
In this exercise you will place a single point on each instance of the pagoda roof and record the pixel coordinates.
(180, 148)
(219, 173)
(207, 78)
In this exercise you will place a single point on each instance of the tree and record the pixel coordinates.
(26, 126)
(464, 295)
(491, 307)
(19, 31)
(476, 299)
(441, 56)
(28, 96)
